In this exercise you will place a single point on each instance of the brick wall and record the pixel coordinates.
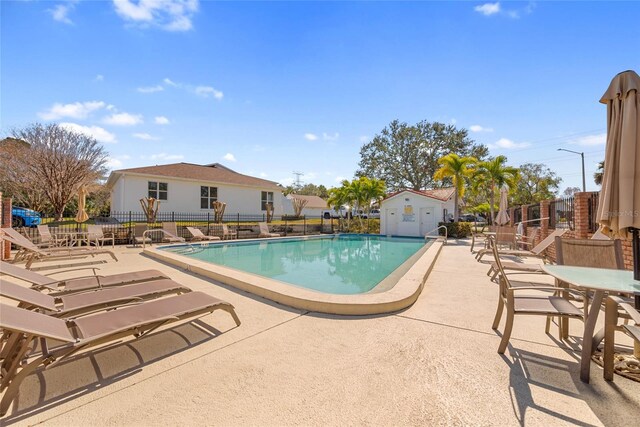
(581, 227)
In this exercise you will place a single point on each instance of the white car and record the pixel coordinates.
(373, 213)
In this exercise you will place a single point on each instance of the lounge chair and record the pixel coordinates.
(539, 300)
(88, 331)
(614, 305)
(96, 235)
(48, 240)
(40, 282)
(31, 253)
(84, 302)
(139, 235)
(536, 252)
(197, 234)
(228, 234)
(169, 232)
(264, 230)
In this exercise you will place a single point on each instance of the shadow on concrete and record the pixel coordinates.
(91, 371)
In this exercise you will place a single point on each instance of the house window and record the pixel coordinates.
(208, 195)
(267, 197)
(158, 190)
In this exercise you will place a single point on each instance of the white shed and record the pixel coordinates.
(416, 213)
(314, 207)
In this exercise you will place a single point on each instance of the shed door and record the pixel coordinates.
(391, 217)
(427, 221)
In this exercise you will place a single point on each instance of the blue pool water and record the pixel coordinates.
(344, 264)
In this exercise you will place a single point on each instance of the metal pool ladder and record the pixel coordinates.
(426, 236)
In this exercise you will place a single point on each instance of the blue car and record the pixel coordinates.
(23, 217)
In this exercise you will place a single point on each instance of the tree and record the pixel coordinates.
(597, 176)
(406, 156)
(307, 190)
(458, 169)
(340, 196)
(492, 175)
(570, 191)
(537, 182)
(60, 161)
(16, 177)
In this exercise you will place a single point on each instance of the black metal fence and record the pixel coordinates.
(562, 213)
(120, 225)
(592, 205)
(533, 215)
(517, 214)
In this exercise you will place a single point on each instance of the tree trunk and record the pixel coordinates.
(491, 203)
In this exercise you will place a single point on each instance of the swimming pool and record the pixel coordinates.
(343, 264)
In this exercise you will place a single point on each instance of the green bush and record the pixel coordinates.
(457, 230)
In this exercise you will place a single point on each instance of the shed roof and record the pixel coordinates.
(442, 194)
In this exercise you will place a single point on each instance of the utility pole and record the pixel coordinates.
(584, 182)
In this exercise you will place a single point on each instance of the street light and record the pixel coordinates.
(584, 184)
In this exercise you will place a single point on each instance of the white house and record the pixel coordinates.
(416, 213)
(188, 188)
(314, 207)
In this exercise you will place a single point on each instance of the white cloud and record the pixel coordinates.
(488, 9)
(169, 15)
(591, 140)
(478, 128)
(165, 156)
(150, 89)
(508, 144)
(207, 91)
(100, 134)
(328, 137)
(169, 82)
(310, 136)
(161, 120)
(286, 181)
(145, 136)
(99, 78)
(123, 119)
(77, 110)
(113, 163)
(229, 157)
(60, 12)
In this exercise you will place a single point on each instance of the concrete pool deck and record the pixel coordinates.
(434, 363)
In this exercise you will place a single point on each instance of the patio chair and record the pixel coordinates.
(139, 235)
(40, 282)
(89, 331)
(264, 231)
(96, 235)
(612, 311)
(481, 237)
(30, 253)
(170, 231)
(228, 234)
(535, 252)
(48, 240)
(84, 302)
(197, 234)
(539, 300)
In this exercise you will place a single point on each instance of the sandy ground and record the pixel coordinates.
(434, 363)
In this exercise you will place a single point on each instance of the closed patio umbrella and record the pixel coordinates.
(503, 216)
(619, 204)
(82, 216)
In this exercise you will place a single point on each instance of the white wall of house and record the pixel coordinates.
(411, 214)
(287, 206)
(184, 196)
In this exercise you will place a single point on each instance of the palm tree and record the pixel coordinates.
(340, 196)
(597, 176)
(458, 169)
(494, 174)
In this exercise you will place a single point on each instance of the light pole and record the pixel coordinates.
(584, 183)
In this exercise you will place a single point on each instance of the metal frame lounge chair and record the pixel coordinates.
(96, 235)
(538, 301)
(47, 239)
(139, 234)
(59, 286)
(85, 302)
(89, 331)
(536, 252)
(31, 253)
(613, 306)
(169, 233)
(264, 231)
(199, 235)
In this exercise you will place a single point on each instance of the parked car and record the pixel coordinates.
(23, 217)
(342, 212)
(472, 218)
(373, 213)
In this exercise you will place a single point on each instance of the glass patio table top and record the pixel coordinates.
(595, 278)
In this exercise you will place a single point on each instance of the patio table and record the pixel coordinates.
(601, 281)
(74, 238)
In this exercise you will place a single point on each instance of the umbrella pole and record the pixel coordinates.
(635, 243)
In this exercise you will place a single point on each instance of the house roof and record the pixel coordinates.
(214, 173)
(442, 194)
(312, 201)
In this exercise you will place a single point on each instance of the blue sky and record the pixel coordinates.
(268, 88)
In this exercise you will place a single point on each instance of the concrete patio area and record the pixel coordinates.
(434, 363)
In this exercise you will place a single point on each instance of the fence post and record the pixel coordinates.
(238, 226)
(173, 216)
(524, 214)
(208, 222)
(581, 215)
(130, 229)
(544, 223)
(285, 225)
(304, 225)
